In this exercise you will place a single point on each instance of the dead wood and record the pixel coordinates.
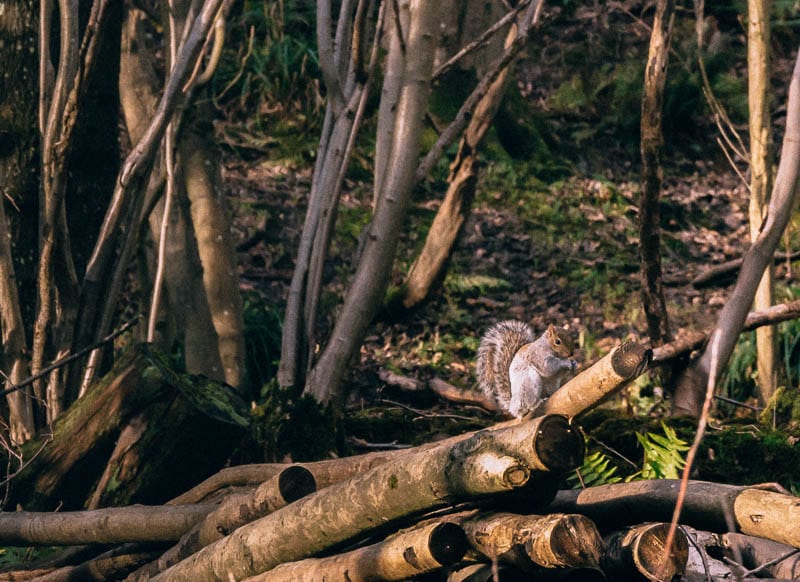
(638, 552)
(486, 462)
(108, 566)
(550, 541)
(110, 526)
(82, 438)
(401, 556)
(758, 554)
(603, 378)
(693, 340)
(707, 506)
(292, 483)
(724, 273)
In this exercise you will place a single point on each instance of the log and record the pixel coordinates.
(693, 340)
(603, 378)
(756, 552)
(484, 463)
(60, 469)
(637, 552)
(102, 526)
(729, 270)
(107, 567)
(550, 541)
(399, 557)
(291, 484)
(708, 506)
(174, 442)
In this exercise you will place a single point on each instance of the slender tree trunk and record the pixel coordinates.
(18, 163)
(758, 78)
(430, 266)
(651, 145)
(372, 276)
(691, 386)
(211, 222)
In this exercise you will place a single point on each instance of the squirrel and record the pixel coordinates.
(518, 370)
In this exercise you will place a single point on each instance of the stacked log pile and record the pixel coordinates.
(478, 506)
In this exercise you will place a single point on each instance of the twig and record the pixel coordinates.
(700, 550)
(480, 41)
(702, 423)
(737, 403)
(72, 357)
(766, 565)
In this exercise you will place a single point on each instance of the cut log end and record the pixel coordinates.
(448, 543)
(631, 359)
(295, 482)
(560, 444)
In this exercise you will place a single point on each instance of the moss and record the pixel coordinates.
(743, 455)
(783, 410)
(286, 424)
(385, 425)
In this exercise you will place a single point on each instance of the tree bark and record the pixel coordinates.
(652, 142)
(758, 93)
(236, 510)
(102, 526)
(487, 462)
(691, 386)
(82, 438)
(711, 506)
(550, 541)
(591, 386)
(372, 276)
(638, 553)
(402, 556)
(429, 267)
(18, 161)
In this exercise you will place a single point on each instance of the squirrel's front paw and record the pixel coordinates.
(573, 365)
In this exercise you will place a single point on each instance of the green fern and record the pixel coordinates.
(596, 470)
(663, 455)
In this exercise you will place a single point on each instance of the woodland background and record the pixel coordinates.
(301, 226)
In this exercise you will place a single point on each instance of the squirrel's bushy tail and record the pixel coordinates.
(497, 348)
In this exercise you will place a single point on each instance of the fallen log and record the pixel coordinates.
(693, 340)
(399, 557)
(758, 554)
(484, 463)
(114, 525)
(729, 270)
(637, 552)
(620, 366)
(707, 506)
(291, 484)
(549, 541)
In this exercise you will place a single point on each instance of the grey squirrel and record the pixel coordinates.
(518, 370)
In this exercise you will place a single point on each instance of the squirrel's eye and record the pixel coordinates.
(558, 342)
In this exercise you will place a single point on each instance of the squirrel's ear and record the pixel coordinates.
(551, 330)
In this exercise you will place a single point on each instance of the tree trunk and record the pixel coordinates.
(64, 467)
(372, 276)
(236, 510)
(758, 93)
(212, 229)
(652, 141)
(691, 386)
(18, 162)
(107, 526)
(429, 268)
(172, 443)
(638, 553)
